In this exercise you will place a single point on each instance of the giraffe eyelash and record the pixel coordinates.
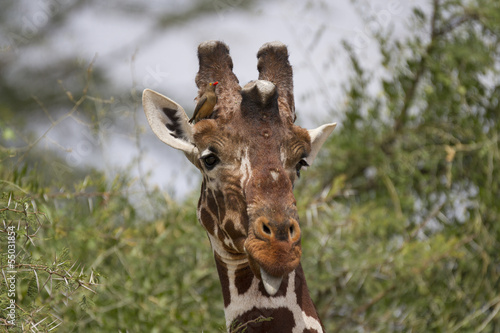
(301, 165)
(209, 159)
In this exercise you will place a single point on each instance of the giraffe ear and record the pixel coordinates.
(318, 137)
(169, 122)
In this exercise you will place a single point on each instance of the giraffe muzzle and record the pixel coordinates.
(274, 250)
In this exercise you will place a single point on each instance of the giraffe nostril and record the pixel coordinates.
(266, 229)
(294, 231)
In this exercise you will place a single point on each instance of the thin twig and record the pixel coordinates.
(432, 215)
(55, 123)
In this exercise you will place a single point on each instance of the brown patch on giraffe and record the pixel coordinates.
(236, 199)
(224, 279)
(302, 292)
(206, 220)
(237, 209)
(270, 320)
(243, 279)
(236, 235)
(233, 193)
(212, 204)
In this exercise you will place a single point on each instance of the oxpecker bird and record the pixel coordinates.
(206, 103)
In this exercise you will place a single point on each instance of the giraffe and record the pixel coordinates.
(250, 153)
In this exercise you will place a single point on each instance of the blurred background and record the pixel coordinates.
(400, 213)
(48, 46)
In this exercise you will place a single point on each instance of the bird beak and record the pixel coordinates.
(216, 83)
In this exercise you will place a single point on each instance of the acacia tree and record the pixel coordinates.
(407, 219)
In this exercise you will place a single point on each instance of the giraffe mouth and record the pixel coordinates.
(271, 283)
(272, 272)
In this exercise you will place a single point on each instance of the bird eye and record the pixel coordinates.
(210, 161)
(302, 164)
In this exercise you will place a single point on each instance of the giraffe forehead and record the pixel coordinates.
(238, 139)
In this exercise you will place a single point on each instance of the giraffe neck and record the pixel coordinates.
(246, 303)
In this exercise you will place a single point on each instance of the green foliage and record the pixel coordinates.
(39, 278)
(89, 261)
(405, 236)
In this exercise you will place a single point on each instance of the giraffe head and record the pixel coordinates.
(250, 153)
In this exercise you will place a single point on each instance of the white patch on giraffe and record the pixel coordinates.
(212, 185)
(205, 153)
(253, 297)
(223, 254)
(311, 322)
(245, 168)
(275, 175)
(229, 242)
(282, 155)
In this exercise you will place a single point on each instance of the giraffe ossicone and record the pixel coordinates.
(250, 153)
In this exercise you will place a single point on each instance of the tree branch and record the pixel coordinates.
(410, 93)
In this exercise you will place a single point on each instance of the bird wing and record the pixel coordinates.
(200, 103)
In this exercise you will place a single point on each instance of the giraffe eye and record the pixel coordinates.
(302, 164)
(210, 161)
